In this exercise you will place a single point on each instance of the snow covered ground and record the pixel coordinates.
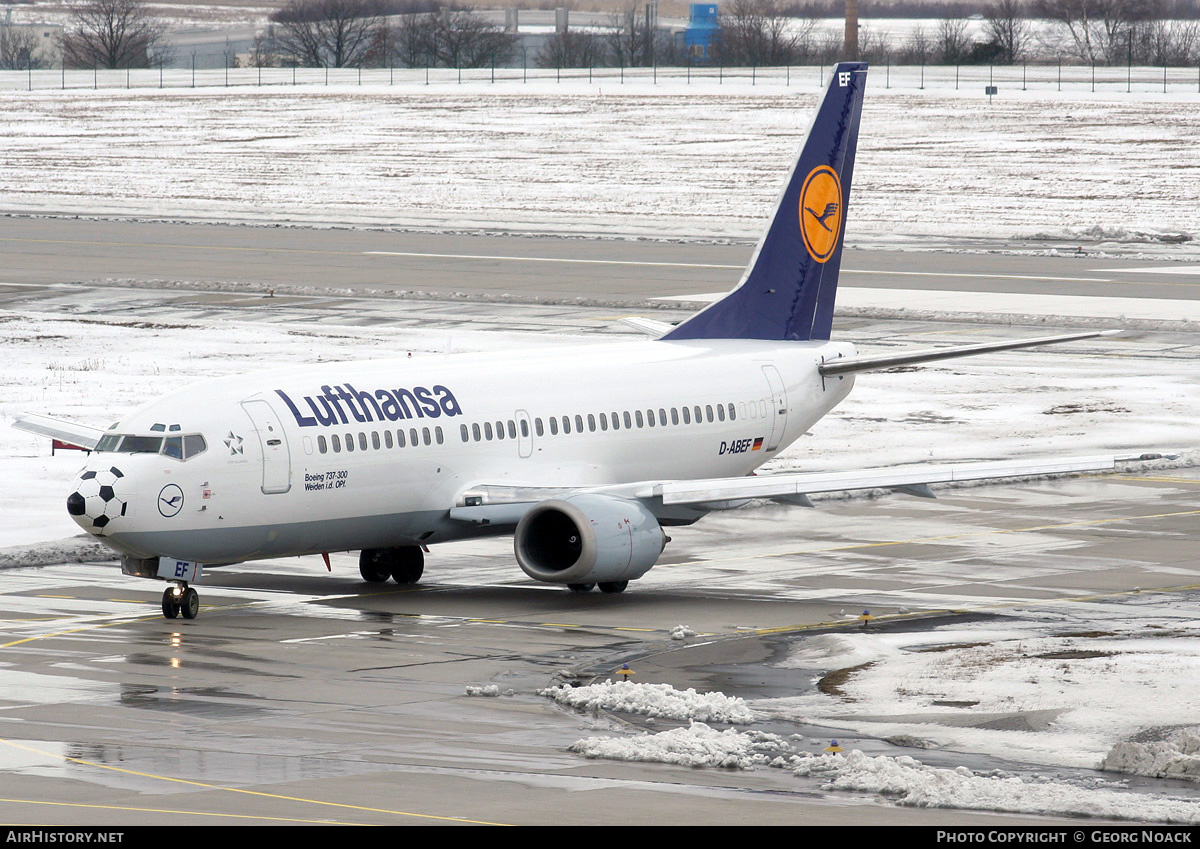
(666, 160)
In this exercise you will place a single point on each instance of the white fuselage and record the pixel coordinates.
(374, 454)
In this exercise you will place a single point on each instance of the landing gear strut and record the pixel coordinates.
(180, 599)
(404, 565)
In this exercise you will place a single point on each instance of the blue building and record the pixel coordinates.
(703, 25)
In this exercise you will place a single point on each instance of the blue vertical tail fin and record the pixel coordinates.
(788, 289)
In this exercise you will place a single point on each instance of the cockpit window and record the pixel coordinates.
(141, 444)
(177, 447)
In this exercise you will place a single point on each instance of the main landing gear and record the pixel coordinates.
(403, 565)
(180, 599)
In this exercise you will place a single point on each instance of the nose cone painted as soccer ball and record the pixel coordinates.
(100, 499)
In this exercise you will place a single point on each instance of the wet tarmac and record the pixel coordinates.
(301, 696)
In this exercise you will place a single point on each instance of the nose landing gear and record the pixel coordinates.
(180, 599)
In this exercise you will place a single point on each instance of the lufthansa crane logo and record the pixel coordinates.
(170, 500)
(821, 212)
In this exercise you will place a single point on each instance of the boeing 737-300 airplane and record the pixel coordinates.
(584, 456)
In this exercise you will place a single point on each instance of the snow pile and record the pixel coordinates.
(1176, 757)
(654, 700)
(682, 632)
(77, 549)
(490, 690)
(1039, 688)
(698, 745)
(909, 782)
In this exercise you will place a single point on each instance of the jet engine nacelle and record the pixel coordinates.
(588, 538)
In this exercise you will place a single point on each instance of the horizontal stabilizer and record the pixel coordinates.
(649, 326)
(69, 432)
(852, 365)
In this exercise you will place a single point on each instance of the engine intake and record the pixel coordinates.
(588, 538)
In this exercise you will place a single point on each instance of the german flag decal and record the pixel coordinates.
(758, 441)
(821, 212)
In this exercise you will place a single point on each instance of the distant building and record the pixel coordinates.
(45, 37)
(703, 26)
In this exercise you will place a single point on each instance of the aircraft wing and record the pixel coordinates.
(69, 432)
(914, 478)
(504, 505)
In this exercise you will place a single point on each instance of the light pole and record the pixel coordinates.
(1129, 60)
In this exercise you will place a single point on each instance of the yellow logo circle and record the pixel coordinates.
(821, 212)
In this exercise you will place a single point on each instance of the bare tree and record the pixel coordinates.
(1097, 30)
(411, 40)
(628, 42)
(1168, 43)
(953, 41)
(1007, 27)
(918, 48)
(19, 48)
(264, 52)
(328, 33)
(874, 45)
(757, 32)
(466, 40)
(112, 34)
(570, 49)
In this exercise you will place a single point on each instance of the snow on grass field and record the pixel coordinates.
(664, 160)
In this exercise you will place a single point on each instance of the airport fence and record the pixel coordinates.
(971, 79)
